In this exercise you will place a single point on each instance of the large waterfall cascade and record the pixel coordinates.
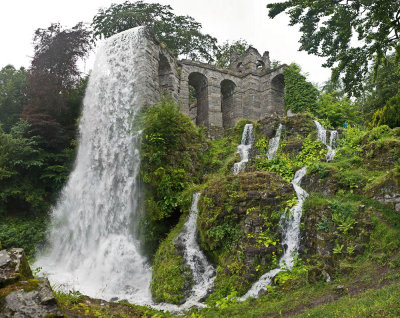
(290, 238)
(93, 245)
(333, 139)
(274, 143)
(244, 148)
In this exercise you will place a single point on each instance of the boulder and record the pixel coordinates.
(21, 295)
(13, 266)
(39, 302)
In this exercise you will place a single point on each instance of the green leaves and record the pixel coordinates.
(181, 34)
(299, 93)
(330, 29)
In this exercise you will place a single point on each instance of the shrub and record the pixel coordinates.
(171, 160)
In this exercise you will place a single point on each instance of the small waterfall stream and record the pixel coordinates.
(274, 143)
(332, 140)
(290, 238)
(244, 148)
(203, 272)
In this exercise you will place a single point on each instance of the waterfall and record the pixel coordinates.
(332, 145)
(203, 272)
(274, 144)
(93, 246)
(321, 131)
(290, 238)
(244, 148)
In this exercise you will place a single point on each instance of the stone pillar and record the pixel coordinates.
(214, 105)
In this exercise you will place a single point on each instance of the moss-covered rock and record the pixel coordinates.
(171, 280)
(13, 266)
(381, 154)
(386, 189)
(239, 226)
(335, 229)
(20, 294)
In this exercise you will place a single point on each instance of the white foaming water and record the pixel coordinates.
(332, 140)
(332, 145)
(244, 148)
(93, 246)
(274, 144)
(203, 273)
(290, 238)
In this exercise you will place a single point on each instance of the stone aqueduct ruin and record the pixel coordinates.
(249, 89)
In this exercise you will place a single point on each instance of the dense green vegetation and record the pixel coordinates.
(171, 159)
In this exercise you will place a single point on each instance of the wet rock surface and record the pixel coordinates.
(13, 266)
(387, 190)
(39, 302)
(20, 295)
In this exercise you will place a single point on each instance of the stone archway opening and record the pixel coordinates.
(278, 92)
(165, 75)
(198, 108)
(260, 65)
(228, 103)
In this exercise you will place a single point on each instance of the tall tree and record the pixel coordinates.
(181, 34)
(223, 55)
(52, 78)
(12, 95)
(380, 85)
(349, 33)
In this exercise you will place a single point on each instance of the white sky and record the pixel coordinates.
(223, 19)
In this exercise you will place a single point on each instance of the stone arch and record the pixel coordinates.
(199, 110)
(260, 65)
(278, 91)
(228, 103)
(165, 74)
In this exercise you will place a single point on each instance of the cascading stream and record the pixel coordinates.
(203, 273)
(93, 245)
(274, 143)
(244, 148)
(332, 140)
(290, 238)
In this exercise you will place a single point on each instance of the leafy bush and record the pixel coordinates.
(221, 235)
(337, 110)
(389, 114)
(27, 233)
(171, 160)
(378, 132)
(286, 166)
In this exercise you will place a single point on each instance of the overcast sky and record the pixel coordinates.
(223, 19)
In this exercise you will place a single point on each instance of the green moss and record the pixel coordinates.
(171, 277)
(238, 221)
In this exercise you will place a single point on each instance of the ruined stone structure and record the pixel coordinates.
(248, 89)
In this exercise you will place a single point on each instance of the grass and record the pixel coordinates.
(384, 302)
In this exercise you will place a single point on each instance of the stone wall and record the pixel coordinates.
(249, 89)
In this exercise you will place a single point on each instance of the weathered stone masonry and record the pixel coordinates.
(249, 89)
